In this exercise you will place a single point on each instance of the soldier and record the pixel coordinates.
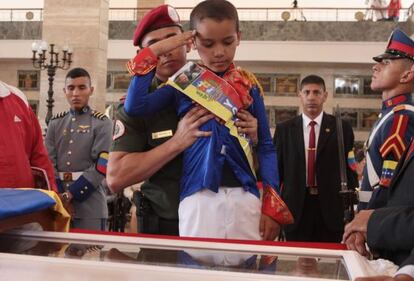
(78, 141)
(393, 74)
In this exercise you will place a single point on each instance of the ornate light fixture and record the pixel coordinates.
(51, 63)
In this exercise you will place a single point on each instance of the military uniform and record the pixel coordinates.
(391, 133)
(78, 144)
(385, 146)
(158, 206)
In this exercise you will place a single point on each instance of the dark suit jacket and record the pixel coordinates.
(289, 143)
(391, 229)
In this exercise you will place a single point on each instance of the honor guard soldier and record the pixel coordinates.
(78, 141)
(393, 74)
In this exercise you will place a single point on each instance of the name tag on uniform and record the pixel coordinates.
(162, 134)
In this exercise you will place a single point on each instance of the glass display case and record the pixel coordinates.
(41, 255)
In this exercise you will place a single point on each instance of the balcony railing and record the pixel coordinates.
(245, 14)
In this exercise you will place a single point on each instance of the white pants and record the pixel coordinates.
(232, 213)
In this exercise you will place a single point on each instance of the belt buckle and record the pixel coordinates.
(313, 190)
(67, 176)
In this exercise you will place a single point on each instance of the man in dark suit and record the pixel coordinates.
(389, 230)
(307, 149)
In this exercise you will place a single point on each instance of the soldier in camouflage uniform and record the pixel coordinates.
(78, 141)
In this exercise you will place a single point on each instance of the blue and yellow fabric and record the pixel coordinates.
(25, 201)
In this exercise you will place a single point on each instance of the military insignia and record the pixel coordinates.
(83, 129)
(98, 115)
(162, 134)
(327, 130)
(102, 162)
(59, 115)
(64, 132)
(119, 130)
(395, 142)
(388, 169)
(351, 160)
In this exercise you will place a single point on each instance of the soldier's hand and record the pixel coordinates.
(269, 229)
(358, 224)
(247, 125)
(356, 242)
(188, 127)
(167, 45)
(399, 277)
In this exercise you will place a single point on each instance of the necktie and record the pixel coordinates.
(311, 155)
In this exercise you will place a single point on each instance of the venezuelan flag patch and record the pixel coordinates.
(102, 162)
(351, 160)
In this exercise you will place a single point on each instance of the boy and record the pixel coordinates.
(219, 196)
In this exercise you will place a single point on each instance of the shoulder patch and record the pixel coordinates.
(395, 142)
(98, 115)
(119, 130)
(251, 78)
(59, 115)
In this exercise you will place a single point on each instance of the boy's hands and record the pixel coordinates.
(269, 229)
(247, 124)
(167, 45)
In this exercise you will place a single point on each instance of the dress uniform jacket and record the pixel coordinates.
(78, 144)
(386, 144)
(391, 229)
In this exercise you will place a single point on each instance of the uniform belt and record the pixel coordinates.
(364, 196)
(313, 190)
(69, 176)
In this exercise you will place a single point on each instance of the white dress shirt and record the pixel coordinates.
(306, 132)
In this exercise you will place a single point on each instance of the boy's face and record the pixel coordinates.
(216, 43)
(77, 91)
(170, 62)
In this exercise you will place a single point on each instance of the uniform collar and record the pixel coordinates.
(80, 112)
(392, 102)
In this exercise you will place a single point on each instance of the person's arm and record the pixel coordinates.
(139, 101)
(92, 177)
(123, 170)
(396, 134)
(273, 207)
(39, 156)
(391, 228)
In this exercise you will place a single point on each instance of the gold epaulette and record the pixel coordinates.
(251, 78)
(59, 115)
(98, 115)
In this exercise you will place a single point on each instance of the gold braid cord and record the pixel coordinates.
(274, 207)
(142, 63)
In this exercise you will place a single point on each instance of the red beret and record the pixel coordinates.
(159, 17)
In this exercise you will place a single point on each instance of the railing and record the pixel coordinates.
(245, 14)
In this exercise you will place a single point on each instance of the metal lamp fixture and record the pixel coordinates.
(46, 56)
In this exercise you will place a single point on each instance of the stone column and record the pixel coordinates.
(82, 25)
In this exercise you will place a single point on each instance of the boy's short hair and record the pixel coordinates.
(218, 10)
(313, 79)
(77, 72)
